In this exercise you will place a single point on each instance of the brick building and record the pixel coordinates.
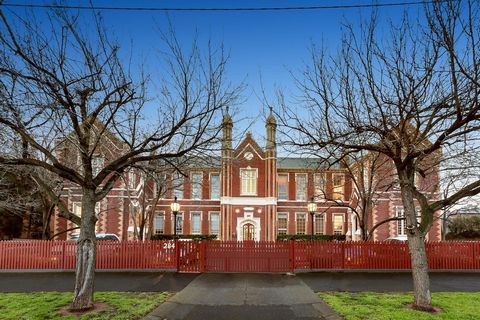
(250, 193)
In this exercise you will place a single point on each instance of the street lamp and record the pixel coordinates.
(175, 206)
(312, 208)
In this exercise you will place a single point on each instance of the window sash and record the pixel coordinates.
(338, 223)
(401, 224)
(215, 186)
(282, 183)
(301, 186)
(178, 186)
(197, 185)
(159, 224)
(319, 183)
(301, 223)
(338, 186)
(319, 224)
(249, 181)
(282, 223)
(196, 222)
(180, 223)
(215, 223)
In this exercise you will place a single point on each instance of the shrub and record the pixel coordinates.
(196, 237)
(464, 228)
(306, 237)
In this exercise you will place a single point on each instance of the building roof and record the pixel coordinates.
(304, 163)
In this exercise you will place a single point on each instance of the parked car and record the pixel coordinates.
(401, 238)
(99, 236)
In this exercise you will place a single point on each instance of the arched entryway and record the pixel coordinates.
(248, 232)
(248, 229)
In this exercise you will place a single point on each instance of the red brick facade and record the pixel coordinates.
(252, 215)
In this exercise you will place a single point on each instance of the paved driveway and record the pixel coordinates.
(244, 296)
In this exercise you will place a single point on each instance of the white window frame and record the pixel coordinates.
(278, 186)
(219, 185)
(200, 186)
(179, 214)
(158, 214)
(131, 179)
(181, 187)
(210, 222)
(296, 186)
(255, 191)
(343, 186)
(324, 224)
(401, 227)
(343, 223)
(194, 213)
(286, 228)
(296, 222)
(322, 176)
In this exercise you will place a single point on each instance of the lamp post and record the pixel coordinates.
(175, 206)
(312, 208)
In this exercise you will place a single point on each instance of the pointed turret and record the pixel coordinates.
(227, 125)
(271, 125)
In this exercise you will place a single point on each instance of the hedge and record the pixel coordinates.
(184, 236)
(307, 237)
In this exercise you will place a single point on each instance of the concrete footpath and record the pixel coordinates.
(243, 296)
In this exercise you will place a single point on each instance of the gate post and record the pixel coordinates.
(203, 256)
(292, 255)
(177, 254)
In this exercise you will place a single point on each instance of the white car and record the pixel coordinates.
(99, 236)
(400, 238)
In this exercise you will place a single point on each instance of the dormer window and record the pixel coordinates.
(248, 177)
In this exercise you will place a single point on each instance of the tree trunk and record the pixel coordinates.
(86, 255)
(416, 244)
(421, 279)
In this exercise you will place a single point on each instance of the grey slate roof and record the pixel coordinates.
(303, 163)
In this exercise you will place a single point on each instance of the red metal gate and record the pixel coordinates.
(190, 256)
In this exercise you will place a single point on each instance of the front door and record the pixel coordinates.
(248, 232)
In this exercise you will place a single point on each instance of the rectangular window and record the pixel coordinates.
(97, 165)
(180, 223)
(178, 185)
(215, 186)
(131, 179)
(197, 185)
(301, 223)
(196, 220)
(249, 181)
(160, 185)
(401, 224)
(319, 224)
(301, 186)
(282, 223)
(338, 224)
(282, 182)
(159, 224)
(214, 223)
(319, 183)
(338, 185)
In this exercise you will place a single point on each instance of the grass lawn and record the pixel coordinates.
(390, 306)
(44, 305)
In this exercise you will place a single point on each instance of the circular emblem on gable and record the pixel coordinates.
(248, 156)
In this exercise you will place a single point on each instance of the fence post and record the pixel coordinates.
(203, 255)
(177, 254)
(343, 254)
(292, 255)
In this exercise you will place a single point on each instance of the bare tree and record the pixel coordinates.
(81, 113)
(412, 96)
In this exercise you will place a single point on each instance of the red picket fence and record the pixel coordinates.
(42, 254)
(248, 256)
(233, 256)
